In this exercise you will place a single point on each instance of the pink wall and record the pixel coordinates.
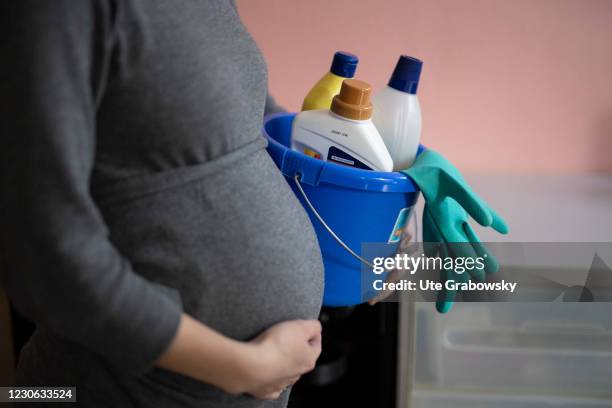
(508, 85)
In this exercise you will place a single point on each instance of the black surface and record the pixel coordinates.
(369, 336)
(22, 330)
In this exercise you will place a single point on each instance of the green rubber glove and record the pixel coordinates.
(448, 201)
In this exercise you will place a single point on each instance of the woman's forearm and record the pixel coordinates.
(200, 352)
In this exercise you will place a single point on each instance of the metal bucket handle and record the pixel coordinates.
(331, 232)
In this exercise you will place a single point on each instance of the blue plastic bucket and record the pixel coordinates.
(360, 206)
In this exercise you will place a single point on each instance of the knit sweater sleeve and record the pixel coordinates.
(59, 267)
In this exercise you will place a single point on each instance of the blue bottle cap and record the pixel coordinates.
(344, 64)
(406, 75)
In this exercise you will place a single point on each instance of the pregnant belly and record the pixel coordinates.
(229, 235)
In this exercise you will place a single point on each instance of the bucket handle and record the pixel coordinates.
(296, 177)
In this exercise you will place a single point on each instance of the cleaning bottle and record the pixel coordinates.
(344, 133)
(397, 113)
(320, 96)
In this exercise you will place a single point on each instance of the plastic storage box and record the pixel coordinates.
(532, 352)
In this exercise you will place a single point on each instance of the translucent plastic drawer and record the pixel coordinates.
(560, 349)
(458, 400)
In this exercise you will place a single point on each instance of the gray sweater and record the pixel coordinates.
(136, 186)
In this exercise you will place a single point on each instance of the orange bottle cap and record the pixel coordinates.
(353, 101)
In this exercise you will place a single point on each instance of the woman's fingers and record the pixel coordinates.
(312, 329)
(314, 341)
(274, 395)
(311, 332)
(394, 276)
(268, 394)
(292, 381)
(274, 392)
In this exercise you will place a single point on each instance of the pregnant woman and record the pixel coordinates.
(144, 229)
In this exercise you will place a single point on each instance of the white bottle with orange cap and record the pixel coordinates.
(344, 134)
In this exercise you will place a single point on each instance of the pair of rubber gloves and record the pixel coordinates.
(448, 201)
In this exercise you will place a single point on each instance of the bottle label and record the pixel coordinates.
(400, 229)
(340, 157)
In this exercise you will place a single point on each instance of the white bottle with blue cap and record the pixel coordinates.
(397, 112)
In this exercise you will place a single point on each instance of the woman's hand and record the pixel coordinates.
(263, 367)
(282, 354)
